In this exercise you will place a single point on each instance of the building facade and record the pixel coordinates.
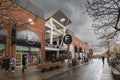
(56, 29)
(78, 49)
(25, 34)
(28, 34)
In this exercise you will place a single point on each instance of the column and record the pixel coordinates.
(51, 32)
(58, 52)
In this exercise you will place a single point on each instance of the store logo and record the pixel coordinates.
(30, 39)
(67, 39)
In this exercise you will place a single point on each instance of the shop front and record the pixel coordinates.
(72, 55)
(28, 44)
(2, 51)
(31, 53)
(81, 53)
(2, 44)
(76, 52)
(52, 51)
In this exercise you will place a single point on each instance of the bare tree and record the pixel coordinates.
(106, 17)
(7, 17)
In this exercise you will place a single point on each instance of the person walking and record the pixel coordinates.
(24, 63)
(39, 59)
(103, 58)
(6, 63)
(3, 63)
(12, 63)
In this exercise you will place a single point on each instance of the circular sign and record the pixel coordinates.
(30, 38)
(67, 39)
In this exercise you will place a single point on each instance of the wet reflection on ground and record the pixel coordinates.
(92, 71)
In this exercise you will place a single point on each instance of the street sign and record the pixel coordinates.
(67, 39)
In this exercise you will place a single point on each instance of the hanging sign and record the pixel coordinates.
(67, 39)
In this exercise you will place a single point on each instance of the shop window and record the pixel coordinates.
(2, 51)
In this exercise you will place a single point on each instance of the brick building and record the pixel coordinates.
(25, 32)
(78, 48)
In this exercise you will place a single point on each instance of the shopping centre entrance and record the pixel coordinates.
(28, 44)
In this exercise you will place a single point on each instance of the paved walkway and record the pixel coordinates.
(95, 70)
(32, 73)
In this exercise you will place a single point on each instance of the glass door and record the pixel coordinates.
(19, 57)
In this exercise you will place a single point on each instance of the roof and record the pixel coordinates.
(61, 18)
(31, 7)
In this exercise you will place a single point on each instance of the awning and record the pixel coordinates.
(28, 38)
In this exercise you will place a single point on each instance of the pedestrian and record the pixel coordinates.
(24, 66)
(39, 59)
(103, 58)
(12, 63)
(62, 59)
(79, 58)
(6, 63)
(3, 64)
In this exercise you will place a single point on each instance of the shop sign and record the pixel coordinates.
(30, 39)
(67, 39)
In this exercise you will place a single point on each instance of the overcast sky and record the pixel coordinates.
(75, 10)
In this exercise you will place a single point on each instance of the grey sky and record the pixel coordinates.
(76, 11)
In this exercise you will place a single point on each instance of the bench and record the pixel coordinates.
(49, 65)
(116, 73)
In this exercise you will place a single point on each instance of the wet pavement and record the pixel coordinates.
(94, 70)
(32, 73)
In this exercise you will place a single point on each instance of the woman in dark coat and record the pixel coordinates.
(23, 63)
(6, 63)
(103, 58)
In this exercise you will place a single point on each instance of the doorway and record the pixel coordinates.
(19, 57)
